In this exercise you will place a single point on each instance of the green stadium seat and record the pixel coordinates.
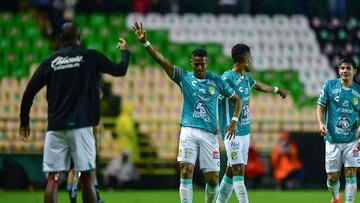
(117, 22)
(98, 20)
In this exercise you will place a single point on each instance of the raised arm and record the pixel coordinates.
(320, 111)
(231, 130)
(160, 59)
(107, 66)
(266, 88)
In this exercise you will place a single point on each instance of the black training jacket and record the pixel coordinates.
(71, 76)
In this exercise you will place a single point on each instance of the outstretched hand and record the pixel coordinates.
(24, 133)
(283, 93)
(139, 31)
(121, 45)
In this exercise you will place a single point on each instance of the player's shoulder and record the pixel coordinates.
(227, 74)
(212, 75)
(331, 82)
(356, 85)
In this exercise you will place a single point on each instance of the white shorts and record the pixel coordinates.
(194, 141)
(79, 144)
(237, 150)
(337, 154)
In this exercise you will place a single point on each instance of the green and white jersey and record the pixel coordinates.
(342, 110)
(200, 98)
(242, 86)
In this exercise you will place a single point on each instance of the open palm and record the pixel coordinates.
(139, 31)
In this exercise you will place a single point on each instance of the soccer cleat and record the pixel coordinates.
(338, 200)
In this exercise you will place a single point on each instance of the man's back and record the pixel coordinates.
(72, 77)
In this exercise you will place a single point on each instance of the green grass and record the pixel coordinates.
(170, 196)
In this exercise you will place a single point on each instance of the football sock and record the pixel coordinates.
(226, 188)
(185, 190)
(240, 189)
(350, 189)
(211, 192)
(334, 188)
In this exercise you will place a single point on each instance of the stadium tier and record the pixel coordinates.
(285, 51)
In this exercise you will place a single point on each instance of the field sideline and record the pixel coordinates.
(170, 196)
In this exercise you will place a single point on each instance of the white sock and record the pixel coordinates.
(210, 193)
(185, 190)
(350, 189)
(240, 189)
(226, 188)
(334, 189)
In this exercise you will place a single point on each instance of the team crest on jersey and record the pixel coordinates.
(233, 155)
(355, 101)
(212, 90)
(216, 154)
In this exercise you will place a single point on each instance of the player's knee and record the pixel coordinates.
(350, 172)
(238, 170)
(186, 170)
(332, 178)
(213, 180)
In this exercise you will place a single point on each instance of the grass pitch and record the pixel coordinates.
(170, 196)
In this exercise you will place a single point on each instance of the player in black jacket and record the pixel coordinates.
(71, 76)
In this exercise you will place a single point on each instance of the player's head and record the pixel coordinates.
(70, 33)
(347, 69)
(199, 61)
(241, 55)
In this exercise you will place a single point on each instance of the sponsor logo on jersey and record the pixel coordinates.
(337, 98)
(216, 154)
(346, 103)
(334, 91)
(200, 111)
(355, 153)
(343, 122)
(60, 63)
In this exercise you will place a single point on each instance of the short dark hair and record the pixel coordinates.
(349, 61)
(199, 53)
(70, 31)
(239, 51)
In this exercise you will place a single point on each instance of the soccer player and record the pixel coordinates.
(237, 146)
(337, 114)
(200, 90)
(71, 76)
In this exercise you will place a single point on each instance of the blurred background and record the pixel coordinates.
(296, 45)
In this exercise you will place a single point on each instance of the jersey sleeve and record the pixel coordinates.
(225, 89)
(178, 74)
(252, 82)
(324, 95)
(224, 77)
(107, 66)
(36, 82)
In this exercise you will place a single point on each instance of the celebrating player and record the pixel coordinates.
(200, 90)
